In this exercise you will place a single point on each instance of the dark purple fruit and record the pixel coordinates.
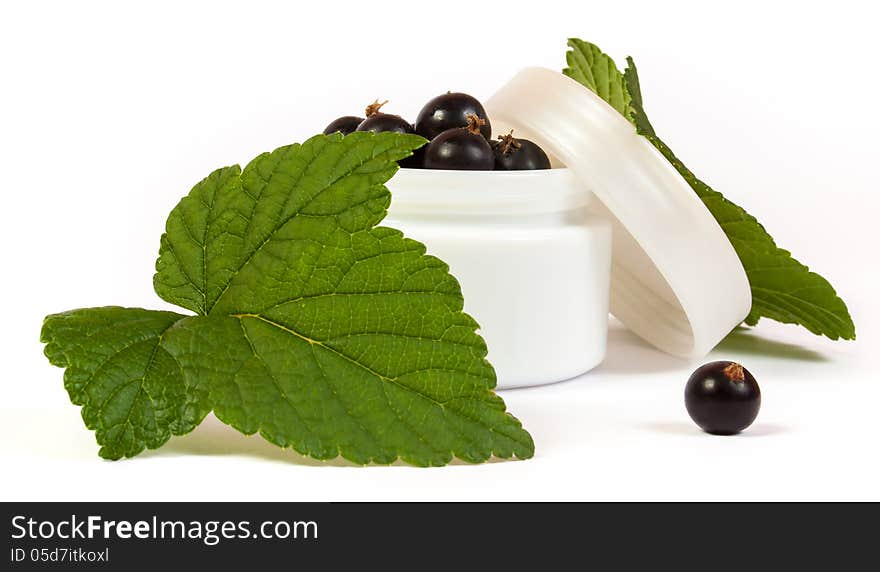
(722, 397)
(461, 149)
(416, 160)
(450, 111)
(344, 125)
(379, 122)
(513, 154)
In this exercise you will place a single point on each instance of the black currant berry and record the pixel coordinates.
(513, 154)
(461, 149)
(722, 397)
(344, 125)
(450, 111)
(416, 160)
(379, 122)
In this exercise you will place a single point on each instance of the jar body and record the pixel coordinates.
(536, 282)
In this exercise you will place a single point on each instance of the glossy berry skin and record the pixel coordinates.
(722, 397)
(344, 125)
(527, 157)
(459, 149)
(385, 122)
(450, 111)
(416, 160)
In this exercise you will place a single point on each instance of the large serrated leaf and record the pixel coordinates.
(316, 328)
(331, 335)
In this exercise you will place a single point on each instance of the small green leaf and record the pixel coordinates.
(783, 289)
(132, 390)
(593, 68)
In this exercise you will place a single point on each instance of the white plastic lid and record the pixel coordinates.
(676, 280)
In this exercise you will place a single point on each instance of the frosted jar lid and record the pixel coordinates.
(675, 279)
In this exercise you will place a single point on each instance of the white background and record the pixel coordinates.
(110, 113)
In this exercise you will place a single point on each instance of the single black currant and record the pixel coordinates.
(461, 149)
(450, 111)
(379, 122)
(722, 397)
(513, 154)
(345, 125)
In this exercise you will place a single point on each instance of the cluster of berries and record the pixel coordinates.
(459, 135)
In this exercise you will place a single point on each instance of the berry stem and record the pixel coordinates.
(734, 372)
(509, 143)
(474, 123)
(374, 108)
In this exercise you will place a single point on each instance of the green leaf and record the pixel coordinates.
(191, 273)
(783, 289)
(593, 68)
(316, 328)
(369, 397)
(132, 390)
(323, 332)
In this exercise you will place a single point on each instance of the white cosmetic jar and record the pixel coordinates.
(542, 256)
(533, 262)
